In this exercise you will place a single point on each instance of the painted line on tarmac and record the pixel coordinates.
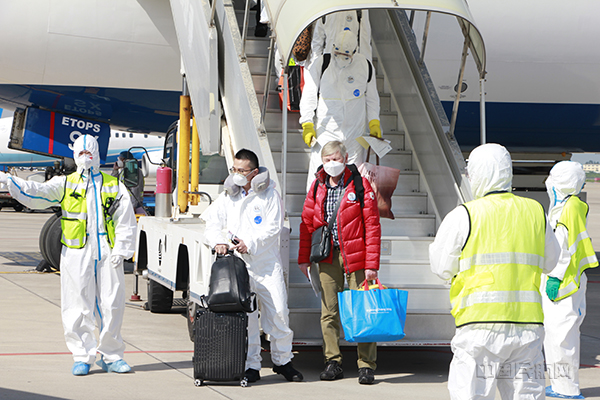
(589, 366)
(60, 353)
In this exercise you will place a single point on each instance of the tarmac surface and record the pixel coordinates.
(35, 363)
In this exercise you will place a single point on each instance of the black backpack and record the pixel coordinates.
(229, 286)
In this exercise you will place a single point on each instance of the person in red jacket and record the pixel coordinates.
(356, 237)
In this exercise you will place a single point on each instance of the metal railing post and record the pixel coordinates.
(482, 110)
(425, 34)
(267, 80)
(245, 30)
(284, 145)
(459, 85)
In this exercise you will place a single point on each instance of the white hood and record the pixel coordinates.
(490, 170)
(344, 47)
(566, 179)
(84, 162)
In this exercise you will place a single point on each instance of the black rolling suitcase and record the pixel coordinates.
(220, 346)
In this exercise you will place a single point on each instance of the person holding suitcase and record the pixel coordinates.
(247, 217)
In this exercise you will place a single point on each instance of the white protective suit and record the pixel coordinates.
(257, 219)
(483, 351)
(344, 99)
(562, 319)
(324, 32)
(92, 278)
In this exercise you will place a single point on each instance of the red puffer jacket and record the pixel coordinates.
(359, 230)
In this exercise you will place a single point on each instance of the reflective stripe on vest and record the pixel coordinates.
(573, 217)
(74, 210)
(501, 263)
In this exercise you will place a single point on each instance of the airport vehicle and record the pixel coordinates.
(170, 248)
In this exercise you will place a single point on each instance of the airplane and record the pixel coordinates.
(119, 141)
(542, 84)
(542, 93)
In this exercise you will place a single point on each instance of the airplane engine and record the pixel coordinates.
(149, 169)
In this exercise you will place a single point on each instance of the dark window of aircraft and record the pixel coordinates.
(145, 136)
(131, 135)
(116, 134)
(463, 88)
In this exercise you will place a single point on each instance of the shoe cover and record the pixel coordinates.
(119, 366)
(80, 368)
(552, 393)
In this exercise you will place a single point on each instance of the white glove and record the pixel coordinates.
(115, 260)
(3, 177)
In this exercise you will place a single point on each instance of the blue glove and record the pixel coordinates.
(552, 287)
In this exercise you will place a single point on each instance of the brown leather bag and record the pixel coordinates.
(301, 48)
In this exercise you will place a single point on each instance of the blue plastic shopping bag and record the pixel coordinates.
(376, 315)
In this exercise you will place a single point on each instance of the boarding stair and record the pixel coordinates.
(405, 240)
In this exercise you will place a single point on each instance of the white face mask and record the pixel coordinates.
(240, 179)
(334, 168)
(342, 61)
(120, 163)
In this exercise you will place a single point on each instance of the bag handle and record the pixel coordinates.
(369, 153)
(377, 282)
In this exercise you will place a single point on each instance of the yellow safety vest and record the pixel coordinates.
(573, 217)
(74, 210)
(501, 262)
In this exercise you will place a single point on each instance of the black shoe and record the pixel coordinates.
(332, 371)
(289, 372)
(366, 376)
(252, 375)
(261, 30)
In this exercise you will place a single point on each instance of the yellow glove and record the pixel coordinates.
(374, 128)
(308, 132)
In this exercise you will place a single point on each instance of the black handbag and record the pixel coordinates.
(229, 285)
(321, 243)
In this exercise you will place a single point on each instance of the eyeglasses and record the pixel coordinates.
(235, 170)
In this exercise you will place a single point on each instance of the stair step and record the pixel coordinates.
(422, 225)
(402, 204)
(298, 160)
(259, 81)
(408, 182)
(295, 140)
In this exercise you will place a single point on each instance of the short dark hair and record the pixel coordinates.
(245, 154)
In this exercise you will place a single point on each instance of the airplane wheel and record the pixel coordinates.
(53, 244)
(18, 207)
(43, 234)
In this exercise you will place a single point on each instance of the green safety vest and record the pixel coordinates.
(501, 262)
(573, 217)
(74, 210)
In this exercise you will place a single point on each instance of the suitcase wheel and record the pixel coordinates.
(198, 382)
(244, 382)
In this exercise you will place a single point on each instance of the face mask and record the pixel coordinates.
(120, 163)
(240, 179)
(334, 168)
(342, 61)
(85, 162)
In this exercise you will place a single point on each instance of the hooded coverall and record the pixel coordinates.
(487, 350)
(344, 98)
(325, 31)
(92, 277)
(564, 317)
(257, 219)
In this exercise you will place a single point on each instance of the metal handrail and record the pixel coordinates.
(425, 35)
(267, 80)
(245, 30)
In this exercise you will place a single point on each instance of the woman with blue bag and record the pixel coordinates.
(341, 218)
